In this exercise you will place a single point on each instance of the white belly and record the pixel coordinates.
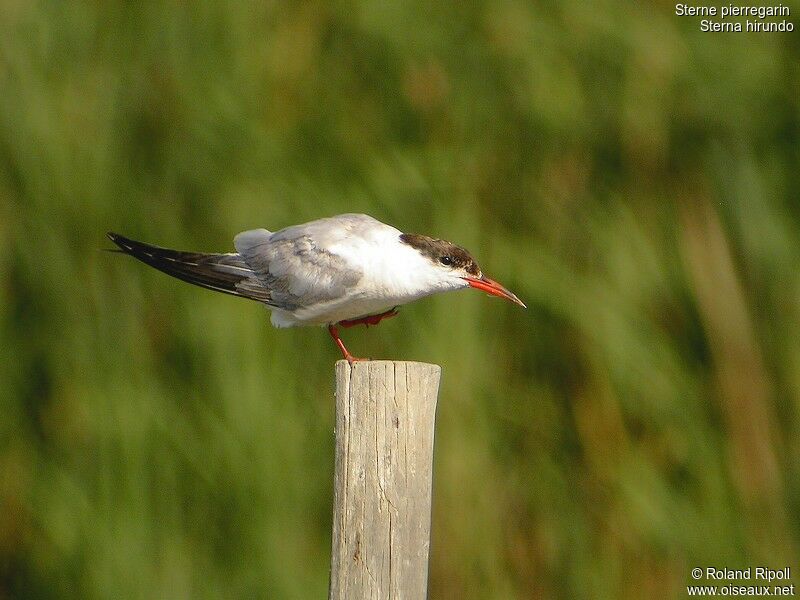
(334, 311)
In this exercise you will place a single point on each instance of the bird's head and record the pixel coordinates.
(455, 266)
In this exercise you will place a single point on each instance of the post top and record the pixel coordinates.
(385, 364)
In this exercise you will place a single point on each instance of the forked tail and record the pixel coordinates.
(227, 273)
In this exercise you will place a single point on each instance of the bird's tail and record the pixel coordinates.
(227, 273)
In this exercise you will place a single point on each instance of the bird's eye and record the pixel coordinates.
(446, 260)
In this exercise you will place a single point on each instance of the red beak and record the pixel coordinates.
(490, 286)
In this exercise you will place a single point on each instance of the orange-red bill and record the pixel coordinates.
(490, 286)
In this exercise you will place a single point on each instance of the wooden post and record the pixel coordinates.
(385, 413)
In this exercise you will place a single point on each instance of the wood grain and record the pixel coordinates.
(385, 413)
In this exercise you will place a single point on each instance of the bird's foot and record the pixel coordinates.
(370, 320)
(334, 331)
(354, 359)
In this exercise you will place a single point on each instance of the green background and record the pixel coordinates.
(634, 180)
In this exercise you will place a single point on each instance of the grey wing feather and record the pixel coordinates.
(227, 273)
(296, 265)
(290, 269)
(328, 231)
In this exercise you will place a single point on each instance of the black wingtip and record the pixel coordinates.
(125, 244)
(115, 237)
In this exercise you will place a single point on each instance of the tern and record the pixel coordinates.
(336, 272)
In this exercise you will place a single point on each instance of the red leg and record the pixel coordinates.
(370, 320)
(334, 331)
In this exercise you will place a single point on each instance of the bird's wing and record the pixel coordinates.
(227, 273)
(299, 265)
(332, 230)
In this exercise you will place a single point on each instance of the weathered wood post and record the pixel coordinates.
(385, 412)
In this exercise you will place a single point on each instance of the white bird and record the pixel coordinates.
(341, 271)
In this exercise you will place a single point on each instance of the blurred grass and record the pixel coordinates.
(632, 179)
